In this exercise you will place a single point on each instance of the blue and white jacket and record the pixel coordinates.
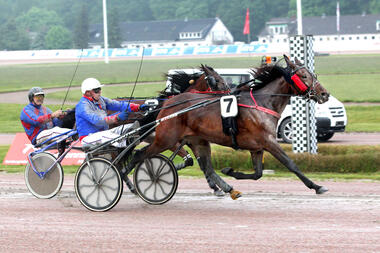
(90, 115)
(35, 119)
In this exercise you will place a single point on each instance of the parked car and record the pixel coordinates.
(331, 116)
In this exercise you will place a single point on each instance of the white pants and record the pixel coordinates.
(104, 136)
(49, 133)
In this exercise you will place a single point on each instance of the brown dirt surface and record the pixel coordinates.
(272, 216)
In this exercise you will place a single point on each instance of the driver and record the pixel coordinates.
(39, 121)
(91, 115)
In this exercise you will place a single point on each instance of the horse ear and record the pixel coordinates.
(297, 61)
(203, 68)
(289, 63)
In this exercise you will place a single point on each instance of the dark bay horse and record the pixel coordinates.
(205, 81)
(259, 109)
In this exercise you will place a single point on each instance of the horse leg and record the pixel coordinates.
(202, 150)
(187, 159)
(257, 160)
(275, 149)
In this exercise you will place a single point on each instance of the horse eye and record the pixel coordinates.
(304, 76)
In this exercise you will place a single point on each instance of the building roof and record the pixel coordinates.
(160, 30)
(327, 25)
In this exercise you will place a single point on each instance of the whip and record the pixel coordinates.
(72, 78)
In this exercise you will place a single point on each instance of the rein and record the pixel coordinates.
(175, 104)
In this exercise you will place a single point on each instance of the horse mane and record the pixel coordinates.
(267, 73)
(180, 81)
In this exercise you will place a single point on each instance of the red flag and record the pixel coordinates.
(246, 25)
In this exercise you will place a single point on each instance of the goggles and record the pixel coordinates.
(97, 90)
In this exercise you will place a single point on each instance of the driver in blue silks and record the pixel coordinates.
(91, 115)
(93, 122)
(39, 122)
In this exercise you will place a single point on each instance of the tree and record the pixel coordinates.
(114, 34)
(36, 20)
(13, 38)
(374, 6)
(81, 32)
(58, 37)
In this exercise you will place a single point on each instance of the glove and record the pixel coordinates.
(122, 116)
(144, 107)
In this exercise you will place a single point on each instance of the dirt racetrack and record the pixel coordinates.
(272, 216)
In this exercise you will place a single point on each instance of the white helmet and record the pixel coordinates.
(90, 84)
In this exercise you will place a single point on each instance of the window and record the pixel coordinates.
(378, 25)
(350, 38)
(335, 38)
(373, 37)
(342, 38)
(365, 37)
(320, 39)
(358, 38)
(285, 40)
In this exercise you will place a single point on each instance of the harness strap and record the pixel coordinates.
(260, 108)
(209, 91)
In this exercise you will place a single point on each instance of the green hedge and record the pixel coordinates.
(330, 158)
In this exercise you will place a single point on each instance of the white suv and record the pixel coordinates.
(331, 116)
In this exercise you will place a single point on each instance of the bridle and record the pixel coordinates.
(303, 88)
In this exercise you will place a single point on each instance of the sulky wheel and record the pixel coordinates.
(50, 184)
(98, 185)
(156, 180)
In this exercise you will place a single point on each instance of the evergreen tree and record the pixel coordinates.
(81, 32)
(13, 38)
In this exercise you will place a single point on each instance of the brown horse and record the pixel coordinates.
(208, 81)
(257, 121)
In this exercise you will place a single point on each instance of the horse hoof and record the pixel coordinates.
(227, 171)
(321, 190)
(189, 162)
(218, 193)
(235, 194)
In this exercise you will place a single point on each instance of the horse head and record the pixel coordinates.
(305, 83)
(207, 79)
(214, 81)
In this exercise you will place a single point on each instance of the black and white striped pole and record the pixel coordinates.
(304, 129)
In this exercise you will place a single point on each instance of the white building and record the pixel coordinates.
(167, 33)
(357, 33)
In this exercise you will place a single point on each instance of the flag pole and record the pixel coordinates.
(299, 17)
(105, 32)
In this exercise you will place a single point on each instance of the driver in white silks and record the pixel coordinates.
(91, 116)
